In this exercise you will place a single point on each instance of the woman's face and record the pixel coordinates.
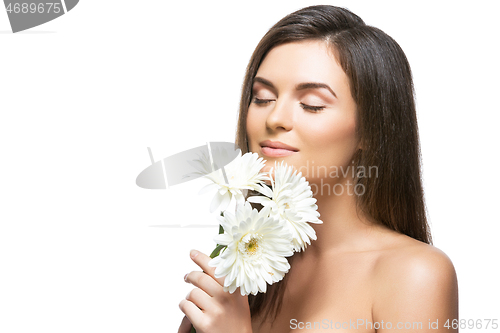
(302, 112)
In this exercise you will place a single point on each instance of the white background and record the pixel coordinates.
(83, 249)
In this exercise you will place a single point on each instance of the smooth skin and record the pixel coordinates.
(356, 271)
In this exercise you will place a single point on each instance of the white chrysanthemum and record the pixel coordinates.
(291, 201)
(257, 245)
(242, 174)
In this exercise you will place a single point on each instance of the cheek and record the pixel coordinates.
(333, 135)
(331, 141)
(253, 124)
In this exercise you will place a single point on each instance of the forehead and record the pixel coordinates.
(303, 61)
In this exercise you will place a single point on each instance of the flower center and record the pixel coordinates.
(249, 246)
(252, 246)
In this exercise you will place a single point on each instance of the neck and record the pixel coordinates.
(344, 228)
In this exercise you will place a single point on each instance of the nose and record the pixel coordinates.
(281, 116)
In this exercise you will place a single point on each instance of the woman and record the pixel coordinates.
(334, 98)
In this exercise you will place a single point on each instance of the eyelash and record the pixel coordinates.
(304, 106)
(312, 108)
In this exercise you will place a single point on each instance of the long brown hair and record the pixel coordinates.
(381, 85)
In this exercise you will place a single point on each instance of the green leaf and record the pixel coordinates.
(219, 247)
(217, 250)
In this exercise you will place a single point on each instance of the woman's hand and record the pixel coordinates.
(209, 308)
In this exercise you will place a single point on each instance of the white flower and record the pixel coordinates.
(292, 203)
(256, 249)
(242, 174)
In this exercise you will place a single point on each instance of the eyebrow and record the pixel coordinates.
(300, 86)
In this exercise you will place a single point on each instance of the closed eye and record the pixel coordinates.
(311, 108)
(261, 101)
(306, 107)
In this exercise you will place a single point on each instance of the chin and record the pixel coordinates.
(270, 163)
(267, 167)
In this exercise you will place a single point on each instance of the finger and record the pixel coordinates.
(202, 260)
(185, 326)
(204, 282)
(200, 298)
(194, 314)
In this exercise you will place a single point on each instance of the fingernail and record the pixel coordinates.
(193, 254)
(185, 277)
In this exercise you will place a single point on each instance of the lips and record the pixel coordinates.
(276, 149)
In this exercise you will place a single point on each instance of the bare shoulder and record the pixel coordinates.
(413, 261)
(414, 281)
